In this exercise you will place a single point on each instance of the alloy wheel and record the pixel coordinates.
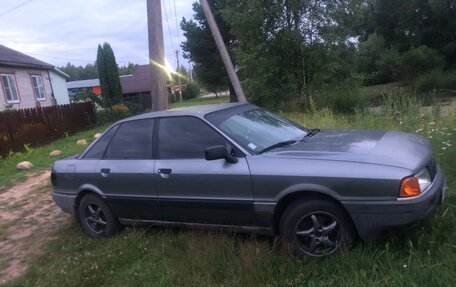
(95, 218)
(318, 234)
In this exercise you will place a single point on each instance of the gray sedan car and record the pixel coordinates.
(241, 167)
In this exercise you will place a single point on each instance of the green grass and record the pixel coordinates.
(421, 255)
(40, 158)
(371, 93)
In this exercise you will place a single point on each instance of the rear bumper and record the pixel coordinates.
(65, 201)
(373, 219)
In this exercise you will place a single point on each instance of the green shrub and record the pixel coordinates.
(435, 80)
(115, 113)
(388, 66)
(342, 98)
(419, 60)
(192, 91)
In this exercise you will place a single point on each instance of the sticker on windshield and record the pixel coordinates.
(252, 146)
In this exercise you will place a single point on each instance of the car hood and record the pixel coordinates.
(391, 148)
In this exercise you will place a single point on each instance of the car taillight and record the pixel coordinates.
(410, 186)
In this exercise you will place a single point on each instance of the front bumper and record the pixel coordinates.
(373, 219)
(65, 201)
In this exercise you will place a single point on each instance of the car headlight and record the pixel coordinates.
(415, 185)
(424, 179)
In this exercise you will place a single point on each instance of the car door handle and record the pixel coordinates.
(164, 172)
(105, 171)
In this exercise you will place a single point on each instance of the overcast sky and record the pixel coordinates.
(58, 32)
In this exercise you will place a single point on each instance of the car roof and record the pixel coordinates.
(198, 110)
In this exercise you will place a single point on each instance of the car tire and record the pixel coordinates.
(96, 217)
(317, 228)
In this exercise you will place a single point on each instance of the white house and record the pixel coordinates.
(26, 82)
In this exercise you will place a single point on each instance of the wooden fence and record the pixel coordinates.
(40, 126)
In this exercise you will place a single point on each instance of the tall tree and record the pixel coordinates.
(406, 24)
(109, 74)
(200, 48)
(287, 47)
(103, 76)
(401, 39)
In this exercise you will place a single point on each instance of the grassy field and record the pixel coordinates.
(370, 93)
(421, 255)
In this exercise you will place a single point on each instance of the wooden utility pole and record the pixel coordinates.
(179, 76)
(223, 51)
(158, 91)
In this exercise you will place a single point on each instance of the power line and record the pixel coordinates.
(167, 22)
(177, 21)
(15, 8)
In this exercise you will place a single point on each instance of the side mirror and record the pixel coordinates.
(219, 152)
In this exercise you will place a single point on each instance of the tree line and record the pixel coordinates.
(287, 51)
(90, 71)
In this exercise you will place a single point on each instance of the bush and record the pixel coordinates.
(342, 98)
(388, 66)
(88, 96)
(419, 60)
(191, 91)
(435, 80)
(115, 113)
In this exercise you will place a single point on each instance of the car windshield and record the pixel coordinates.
(258, 130)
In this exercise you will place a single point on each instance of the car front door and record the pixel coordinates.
(126, 172)
(192, 189)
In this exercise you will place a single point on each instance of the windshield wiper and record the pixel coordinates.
(277, 145)
(312, 132)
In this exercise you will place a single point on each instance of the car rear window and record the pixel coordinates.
(98, 149)
(133, 140)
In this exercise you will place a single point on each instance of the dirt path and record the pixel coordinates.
(28, 219)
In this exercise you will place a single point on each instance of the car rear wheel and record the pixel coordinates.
(96, 217)
(316, 228)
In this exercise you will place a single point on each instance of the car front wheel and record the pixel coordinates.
(316, 228)
(96, 217)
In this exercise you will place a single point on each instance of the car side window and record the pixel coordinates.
(133, 140)
(98, 149)
(185, 138)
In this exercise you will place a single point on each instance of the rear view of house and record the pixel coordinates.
(26, 82)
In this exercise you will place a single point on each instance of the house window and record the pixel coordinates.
(38, 87)
(10, 88)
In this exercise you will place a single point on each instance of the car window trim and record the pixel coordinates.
(239, 151)
(155, 131)
(110, 140)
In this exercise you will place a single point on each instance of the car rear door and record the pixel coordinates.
(126, 172)
(192, 189)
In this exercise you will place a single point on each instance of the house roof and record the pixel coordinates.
(83, 84)
(61, 73)
(10, 57)
(138, 82)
